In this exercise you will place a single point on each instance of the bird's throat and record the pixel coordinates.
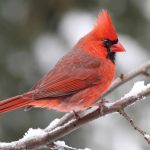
(111, 56)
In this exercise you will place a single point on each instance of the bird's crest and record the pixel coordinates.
(104, 27)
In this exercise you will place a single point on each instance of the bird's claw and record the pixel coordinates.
(101, 105)
(77, 116)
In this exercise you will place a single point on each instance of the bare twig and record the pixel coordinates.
(127, 117)
(72, 125)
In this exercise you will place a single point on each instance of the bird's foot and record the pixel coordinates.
(76, 115)
(104, 101)
(101, 105)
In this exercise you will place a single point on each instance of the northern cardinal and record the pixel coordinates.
(80, 77)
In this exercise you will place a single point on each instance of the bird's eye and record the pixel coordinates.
(108, 43)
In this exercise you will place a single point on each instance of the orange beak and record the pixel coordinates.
(117, 48)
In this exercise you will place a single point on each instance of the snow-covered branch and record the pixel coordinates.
(60, 145)
(143, 69)
(37, 138)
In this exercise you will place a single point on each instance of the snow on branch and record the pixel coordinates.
(60, 145)
(138, 87)
(143, 69)
(39, 138)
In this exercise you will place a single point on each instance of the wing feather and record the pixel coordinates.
(69, 76)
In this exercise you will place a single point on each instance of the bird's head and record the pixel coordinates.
(105, 32)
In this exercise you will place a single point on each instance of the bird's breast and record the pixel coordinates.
(106, 73)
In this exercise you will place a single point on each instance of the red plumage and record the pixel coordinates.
(80, 77)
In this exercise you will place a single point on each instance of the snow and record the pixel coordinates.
(61, 145)
(137, 88)
(29, 135)
(109, 104)
(36, 133)
(33, 133)
(3, 144)
(53, 124)
(147, 136)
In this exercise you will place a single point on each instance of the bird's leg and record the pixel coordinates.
(77, 116)
(103, 101)
(101, 105)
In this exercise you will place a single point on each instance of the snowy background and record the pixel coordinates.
(34, 34)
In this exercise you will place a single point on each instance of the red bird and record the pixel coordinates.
(80, 77)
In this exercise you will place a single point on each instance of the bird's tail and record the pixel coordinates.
(13, 103)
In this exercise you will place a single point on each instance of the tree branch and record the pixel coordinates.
(143, 69)
(143, 133)
(60, 145)
(67, 124)
(89, 115)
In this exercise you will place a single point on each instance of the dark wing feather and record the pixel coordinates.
(71, 74)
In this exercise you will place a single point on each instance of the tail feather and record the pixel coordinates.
(13, 103)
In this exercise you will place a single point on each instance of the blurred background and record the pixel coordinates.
(34, 34)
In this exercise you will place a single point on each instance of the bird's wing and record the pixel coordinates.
(66, 79)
